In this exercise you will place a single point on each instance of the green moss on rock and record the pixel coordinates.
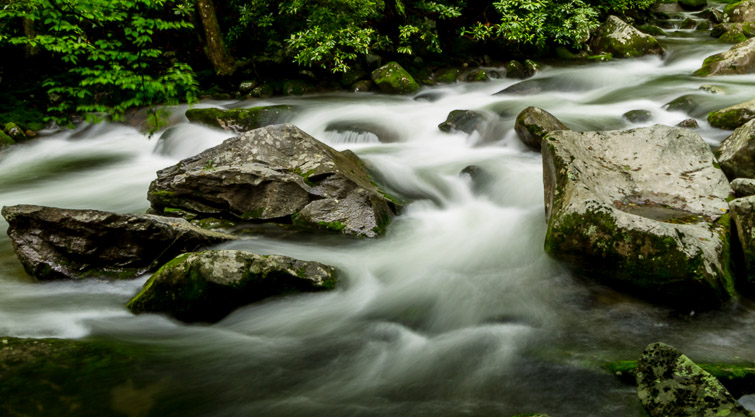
(392, 78)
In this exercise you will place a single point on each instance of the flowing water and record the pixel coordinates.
(456, 311)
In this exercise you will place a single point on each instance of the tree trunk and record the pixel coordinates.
(214, 46)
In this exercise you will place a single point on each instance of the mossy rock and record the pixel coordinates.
(447, 75)
(740, 59)
(262, 91)
(15, 132)
(651, 30)
(740, 11)
(623, 41)
(392, 78)
(57, 377)
(296, 88)
(732, 117)
(240, 120)
(476, 75)
(6, 140)
(207, 286)
(691, 104)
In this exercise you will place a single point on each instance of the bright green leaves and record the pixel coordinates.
(109, 50)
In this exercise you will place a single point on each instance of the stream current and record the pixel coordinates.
(456, 311)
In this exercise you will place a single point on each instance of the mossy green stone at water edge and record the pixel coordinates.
(392, 78)
(624, 41)
(240, 120)
(207, 286)
(733, 117)
(5, 140)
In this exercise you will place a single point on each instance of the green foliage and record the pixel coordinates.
(108, 51)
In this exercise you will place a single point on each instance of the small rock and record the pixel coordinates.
(447, 75)
(466, 121)
(392, 78)
(690, 104)
(515, 69)
(532, 124)
(245, 87)
(638, 116)
(362, 86)
(689, 124)
(713, 89)
(476, 75)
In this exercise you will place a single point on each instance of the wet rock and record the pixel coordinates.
(262, 91)
(276, 174)
(713, 15)
(693, 4)
(15, 132)
(532, 124)
(713, 89)
(669, 384)
(743, 11)
(296, 88)
(689, 124)
(447, 75)
(743, 217)
(737, 152)
(245, 87)
(743, 187)
(207, 286)
(623, 41)
(691, 104)
(530, 67)
(476, 75)
(240, 120)
(663, 8)
(638, 116)
(466, 121)
(383, 133)
(740, 59)
(704, 25)
(733, 117)
(392, 78)
(481, 178)
(515, 69)
(362, 86)
(640, 209)
(688, 24)
(61, 378)
(733, 32)
(651, 30)
(5, 140)
(54, 243)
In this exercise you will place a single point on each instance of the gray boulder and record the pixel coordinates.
(54, 243)
(240, 120)
(743, 216)
(743, 187)
(733, 117)
(276, 174)
(392, 78)
(207, 286)
(669, 384)
(532, 124)
(642, 209)
(740, 59)
(737, 152)
(466, 121)
(743, 11)
(623, 41)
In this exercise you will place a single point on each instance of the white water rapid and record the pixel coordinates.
(456, 311)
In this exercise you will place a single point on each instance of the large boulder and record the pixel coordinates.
(642, 209)
(276, 174)
(737, 152)
(734, 116)
(743, 215)
(533, 123)
(54, 243)
(240, 120)
(740, 59)
(207, 286)
(669, 384)
(623, 41)
(392, 78)
(743, 11)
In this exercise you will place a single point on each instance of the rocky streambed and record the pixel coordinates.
(494, 247)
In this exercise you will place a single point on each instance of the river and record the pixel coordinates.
(456, 311)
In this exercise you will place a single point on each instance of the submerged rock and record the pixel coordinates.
(276, 174)
(392, 78)
(624, 41)
(207, 286)
(642, 209)
(691, 104)
(383, 133)
(669, 384)
(737, 152)
(532, 124)
(54, 243)
(743, 187)
(466, 121)
(638, 116)
(740, 59)
(734, 116)
(240, 120)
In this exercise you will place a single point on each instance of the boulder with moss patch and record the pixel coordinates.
(740, 59)
(740, 11)
(733, 117)
(277, 174)
(240, 120)
(15, 132)
(737, 152)
(670, 384)
(392, 78)
(5, 140)
(533, 123)
(643, 209)
(54, 243)
(743, 216)
(207, 286)
(622, 40)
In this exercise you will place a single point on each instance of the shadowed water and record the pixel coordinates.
(456, 311)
